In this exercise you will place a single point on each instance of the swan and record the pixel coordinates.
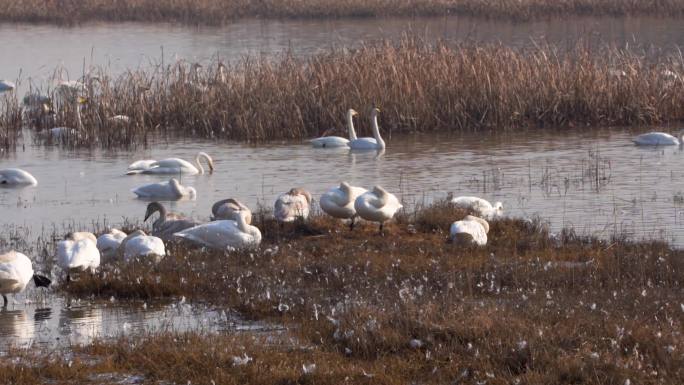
(338, 202)
(121, 119)
(292, 205)
(470, 229)
(6, 85)
(16, 270)
(224, 234)
(77, 253)
(171, 166)
(377, 205)
(58, 132)
(168, 223)
(338, 141)
(16, 177)
(659, 139)
(108, 243)
(171, 190)
(229, 209)
(481, 206)
(375, 143)
(139, 244)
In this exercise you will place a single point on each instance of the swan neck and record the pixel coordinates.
(242, 223)
(350, 126)
(376, 132)
(199, 164)
(162, 215)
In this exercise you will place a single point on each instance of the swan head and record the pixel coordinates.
(210, 161)
(375, 111)
(301, 191)
(379, 191)
(345, 186)
(81, 100)
(352, 112)
(152, 208)
(498, 207)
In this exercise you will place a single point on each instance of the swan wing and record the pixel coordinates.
(655, 139)
(473, 229)
(16, 176)
(144, 245)
(223, 234)
(329, 142)
(142, 164)
(80, 254)
(156, 190)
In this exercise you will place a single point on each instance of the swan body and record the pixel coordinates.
(16, 177)
(658, 139)
(78, 253)
(338, 202)
(377, 205)
(173, 166)
(470, 229)
(108, 243)
(138, 244)
(292, 205)
(6, 85)
(168, 223)
(481, 206)
(374, 143)
(230, 209)
(224, 234)
(172, 190)
(338, 141)
(140, 165)
(16, 270)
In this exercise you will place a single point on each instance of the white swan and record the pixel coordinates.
(138, 244)
(108, 243)
(470, 229)
(374, 143)
(77, 253)
(229, 209)
(659, 139)
(292, 205)
(480, 206)
(224, 234)
(6, 85)
(172, 166)
(16, 270)
(168, 223)
(171, 190)
(377, 205)
(59, 132)
(338, 141)
(16, 177)
(338, 202)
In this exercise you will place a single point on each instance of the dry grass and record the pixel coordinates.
(418, 86)
(530, 308)
(221, 11)
(10, 122)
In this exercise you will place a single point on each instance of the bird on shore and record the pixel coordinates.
(78, 253)
(659, 139)
(171, 190)
(109, 242)
(138, 244)
(377, 205)
(470, 229)
(480, 206)
(374, 143)
(171, 166)
(230, 209)
(224, 234)
(16, 177)
(292, 205)
(338, 202)
(338, 141)
(168, 223)
(16, 270)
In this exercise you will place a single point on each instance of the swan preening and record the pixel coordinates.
(230, 209)
(338, 141)
(659, 139)
(168, 223)
(78, 253)
(108, 243)
(480, 206)
(377, 205)
(224, 234)
(138, 244)
(171, 166)
(16, 270)
(16, 177)
(374, 143)
(338, 202)
(470, 229)
(171, 190)
(292, 205)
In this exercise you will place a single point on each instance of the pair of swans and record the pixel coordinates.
(16, 177)
(16, 270)
(480, 206)
(137, 244)
(470, 229)
(374, 143)
(171, 190)
(338, 202)
(348, 202)
(171, 166)
(659, 139)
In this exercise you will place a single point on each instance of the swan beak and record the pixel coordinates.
(41, 281)
(82, 100)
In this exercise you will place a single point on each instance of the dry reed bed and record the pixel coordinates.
(71, 12)
(529, 308)
(418, 86)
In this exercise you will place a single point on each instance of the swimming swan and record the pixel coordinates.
(481, 206)
(16, 270)
(16, 177)
(171, 190)
(108, 243)
(374, 143)
(659, 139)
(338, 202)
(470, 229)
(338, 141)
(171, 166)
(77, 253)
(377, 205)
(168, 223)
(292, 205)
(229, 209)
(138, 244)
(224, 234)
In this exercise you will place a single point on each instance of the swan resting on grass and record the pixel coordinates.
(230, 209)
(470, 229)
(338, 141)
(224, 234)
(16, 177)
(481, 206)
(338, 202)
(377, 205)
(171, 190)
(171, 166)
(138, 244)
(78, 253)
(108, 243)
(292, 205)
(16, 270)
